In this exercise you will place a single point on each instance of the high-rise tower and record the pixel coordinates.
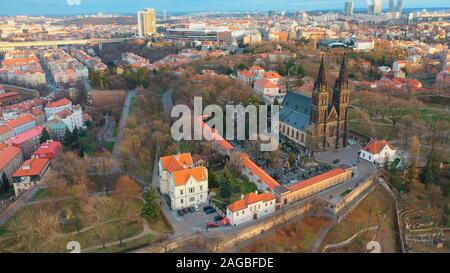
(146, 22)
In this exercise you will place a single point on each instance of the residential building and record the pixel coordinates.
(64, 69)
(30, 173)
(348, 8)
(146, 22)
(364, 45)
(378, 152)
(9, 98)
(250, 207)
(71, 118)
(184, 183)
(268, 90)
(21, 124)
(52, 108)
(28, 141)
(57, 129)
(48, 150)
(22, 68)
(5, 133)
(10, 159)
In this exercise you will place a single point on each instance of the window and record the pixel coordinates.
(181, 192)
(181, 201)
(201, 188)
(191, 190)
(191, 199)
(237, 213)
(201, 197)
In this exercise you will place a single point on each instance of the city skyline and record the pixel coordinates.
(47, 7)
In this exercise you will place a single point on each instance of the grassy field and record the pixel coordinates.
(239, 185)
(295, 237)
(378, 131)
(369, 213)
(40, 194)
(87, 143)
(91, 236)
(109, 145)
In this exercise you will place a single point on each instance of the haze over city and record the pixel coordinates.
(36, 7)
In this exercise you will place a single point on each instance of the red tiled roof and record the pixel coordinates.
(7, 154)
(4, 129)
(246, 73)
(26, 136)
(265, 83)
(198, 173)
(31, 167)
(316, 179)
(260, 173)
(272, 75)
(13, 123)
(58, 103)
(48, 147)
(177, 162)
(375, 146)
(213, 135)
(9, 94)
(249, 199)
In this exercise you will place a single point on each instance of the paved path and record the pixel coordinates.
(321, 236)
(167, 103)
(20, 202)
(146, 231)
(122, 123)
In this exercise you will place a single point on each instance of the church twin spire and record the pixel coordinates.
(341, 81)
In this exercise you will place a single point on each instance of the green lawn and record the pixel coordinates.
(132, 109)
(109, 145)
(87, 143)
(376, 130)
(40, 194)
(141, 242)
(187, 146)
(116, 131)
(239, 185)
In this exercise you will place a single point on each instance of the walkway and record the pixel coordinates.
(146, 231)
(122, 123)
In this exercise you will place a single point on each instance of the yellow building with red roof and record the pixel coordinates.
(185, 183)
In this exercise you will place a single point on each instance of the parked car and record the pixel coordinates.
(195, 207)
(186, 211)
(180, 212)
(205, 208)
(212, 224)
(211, 210)
(191, 209)
(351, 142)
(336, 161)
(218, 217)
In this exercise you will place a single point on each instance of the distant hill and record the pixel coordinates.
(123, 20)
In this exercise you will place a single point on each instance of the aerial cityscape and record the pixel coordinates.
(249, 127)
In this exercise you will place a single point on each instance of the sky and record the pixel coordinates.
(45, 7)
